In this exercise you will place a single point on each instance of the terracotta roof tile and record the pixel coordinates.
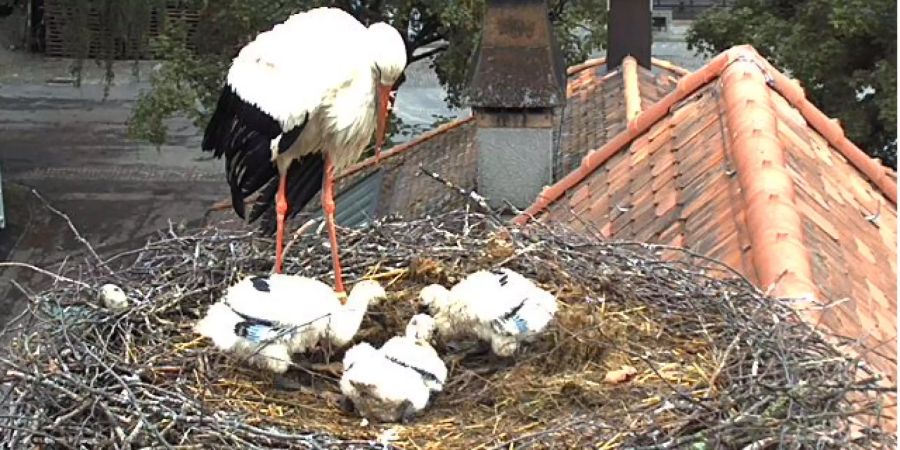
(590, 120)
(736, 163)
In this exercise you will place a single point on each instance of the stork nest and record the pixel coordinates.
(645, 352)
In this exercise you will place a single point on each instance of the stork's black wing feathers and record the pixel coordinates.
(243, 134)
(236, 121)
(497, 324)
(422, 372)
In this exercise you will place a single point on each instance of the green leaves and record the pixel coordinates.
(443, 32)
(839, 49)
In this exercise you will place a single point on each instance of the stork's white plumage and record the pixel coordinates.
(394, 382)
(301, 102)
(500, 306)
(260, 318)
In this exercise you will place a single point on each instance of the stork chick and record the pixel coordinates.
(414, 349)
(395, 382)
(501, 307)
(259, 318)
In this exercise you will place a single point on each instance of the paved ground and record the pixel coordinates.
(72, 147)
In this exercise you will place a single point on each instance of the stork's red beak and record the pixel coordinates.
(385, 100)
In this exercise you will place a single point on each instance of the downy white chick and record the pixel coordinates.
(113, 297)
(395, 382)
(500, 306)
(266, 319)
(414, 350)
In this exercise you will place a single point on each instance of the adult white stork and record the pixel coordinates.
(301, 102)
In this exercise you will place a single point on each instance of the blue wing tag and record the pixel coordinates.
(521, 324)
(259, 333)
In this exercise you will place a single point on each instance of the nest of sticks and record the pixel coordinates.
(644, 353)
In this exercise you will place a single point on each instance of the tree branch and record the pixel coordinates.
(557, 10)
(429, 53)
(421, 43)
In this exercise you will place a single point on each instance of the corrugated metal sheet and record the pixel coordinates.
(356, 205)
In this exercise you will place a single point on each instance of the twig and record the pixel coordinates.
(45, 272)
(297, 234)
(469, 194)
(73, 229)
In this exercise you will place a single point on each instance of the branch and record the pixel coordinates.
(429, 53)
(421, 41)
(557, 10)
(74, 230)
(45, 272)
(428, 33)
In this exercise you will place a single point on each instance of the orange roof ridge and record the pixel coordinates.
(586, 64)
(670, 66)
(406, 145)
(631, 88)
(686, 86)
(689, 84)
(831, 130)
(779, 254)
(595, 62)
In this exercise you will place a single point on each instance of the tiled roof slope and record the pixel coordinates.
(595, 109)
(594, 113)
(736, 164)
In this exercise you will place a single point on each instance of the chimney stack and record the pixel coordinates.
(519, 80)
(628, 32)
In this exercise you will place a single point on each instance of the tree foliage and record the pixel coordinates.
(843, 51)
(440, 31)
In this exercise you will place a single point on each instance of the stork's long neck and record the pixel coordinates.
(352, 118)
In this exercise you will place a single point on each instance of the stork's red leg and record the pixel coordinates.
(328, 207)
(281, 207)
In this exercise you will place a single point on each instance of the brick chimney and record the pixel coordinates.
(628, 32)
(518, 82)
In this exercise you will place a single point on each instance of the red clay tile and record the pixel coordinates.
(865, 251)
(761, 181)
(667, 202)
(606, 230)
(824, 224)
(579, 196)
(664, 161)
(665, 180)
